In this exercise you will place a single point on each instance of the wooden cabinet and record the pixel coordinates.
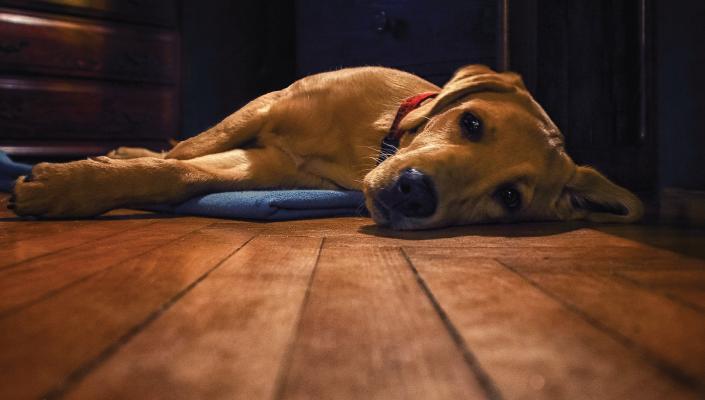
(430, 39)
(79, 78)
(161, 13)
(40, 109)
(70, 47)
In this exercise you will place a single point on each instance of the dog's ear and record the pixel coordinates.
(478, 73)
(589, 195)
(466, 80)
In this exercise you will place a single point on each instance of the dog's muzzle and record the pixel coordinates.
(411, 195)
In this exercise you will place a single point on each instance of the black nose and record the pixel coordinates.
(412, 195)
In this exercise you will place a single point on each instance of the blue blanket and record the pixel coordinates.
(9, 171)
(259, 204)
(271, 204)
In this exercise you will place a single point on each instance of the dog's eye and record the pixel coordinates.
(510, 197)
(472, 126)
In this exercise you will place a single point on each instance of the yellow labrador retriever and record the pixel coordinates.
(480, 149)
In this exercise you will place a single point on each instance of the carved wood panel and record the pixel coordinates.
(61, 46)
(49, 109)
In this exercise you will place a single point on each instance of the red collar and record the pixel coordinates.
(390, 143)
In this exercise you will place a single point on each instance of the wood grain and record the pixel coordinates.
(18, 230)
(45, 346)
(524, 311)
(489, 236)
(687, 241)
(156, 12)
(14, 228)
(687, 286)
(531, 345)
(665, 330)
(67, 110)
(71, 47)
(603, 259)
(41, 238)
(369, 331)
(225, 339)
(30, 281)
(562, 258)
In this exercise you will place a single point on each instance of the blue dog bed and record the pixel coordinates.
(274, 205)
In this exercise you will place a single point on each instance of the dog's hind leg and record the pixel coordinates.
(90, 187)
(240, 127)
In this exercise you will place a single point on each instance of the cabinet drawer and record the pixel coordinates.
(153, 12)
(32, 109)
(395, 33)
(46, 44)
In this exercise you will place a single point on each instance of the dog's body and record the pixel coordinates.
(481, 145)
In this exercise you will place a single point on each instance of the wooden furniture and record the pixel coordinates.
(430, 39)
(137, 306)
(80, 78)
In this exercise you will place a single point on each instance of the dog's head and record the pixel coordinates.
(485, 151)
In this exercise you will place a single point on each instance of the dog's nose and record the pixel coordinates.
(412, 195)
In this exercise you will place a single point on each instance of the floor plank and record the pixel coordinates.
(24, 240)
(687, 241)
(485, 236)
(668, 332)
(13, 228)
(604, 260)
(47, 346)
(532, 346)
(225, 339)
(15, 231)
(369, 331)
(40, 277)
(557, 258)
(170, 308)
(685, 285)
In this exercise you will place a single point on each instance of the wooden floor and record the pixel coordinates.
(144, 306)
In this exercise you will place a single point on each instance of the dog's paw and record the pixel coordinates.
(57, 190)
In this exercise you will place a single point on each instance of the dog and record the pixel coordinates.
(479, 149)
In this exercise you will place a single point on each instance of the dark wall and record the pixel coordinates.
(232, 52)
(680, 72)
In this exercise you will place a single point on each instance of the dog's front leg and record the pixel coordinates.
(90, 187)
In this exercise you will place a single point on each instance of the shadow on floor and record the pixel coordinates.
(686, 241)
(504, 230)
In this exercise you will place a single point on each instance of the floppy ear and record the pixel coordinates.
(476, 70)
(466, 80)
(591, 196)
